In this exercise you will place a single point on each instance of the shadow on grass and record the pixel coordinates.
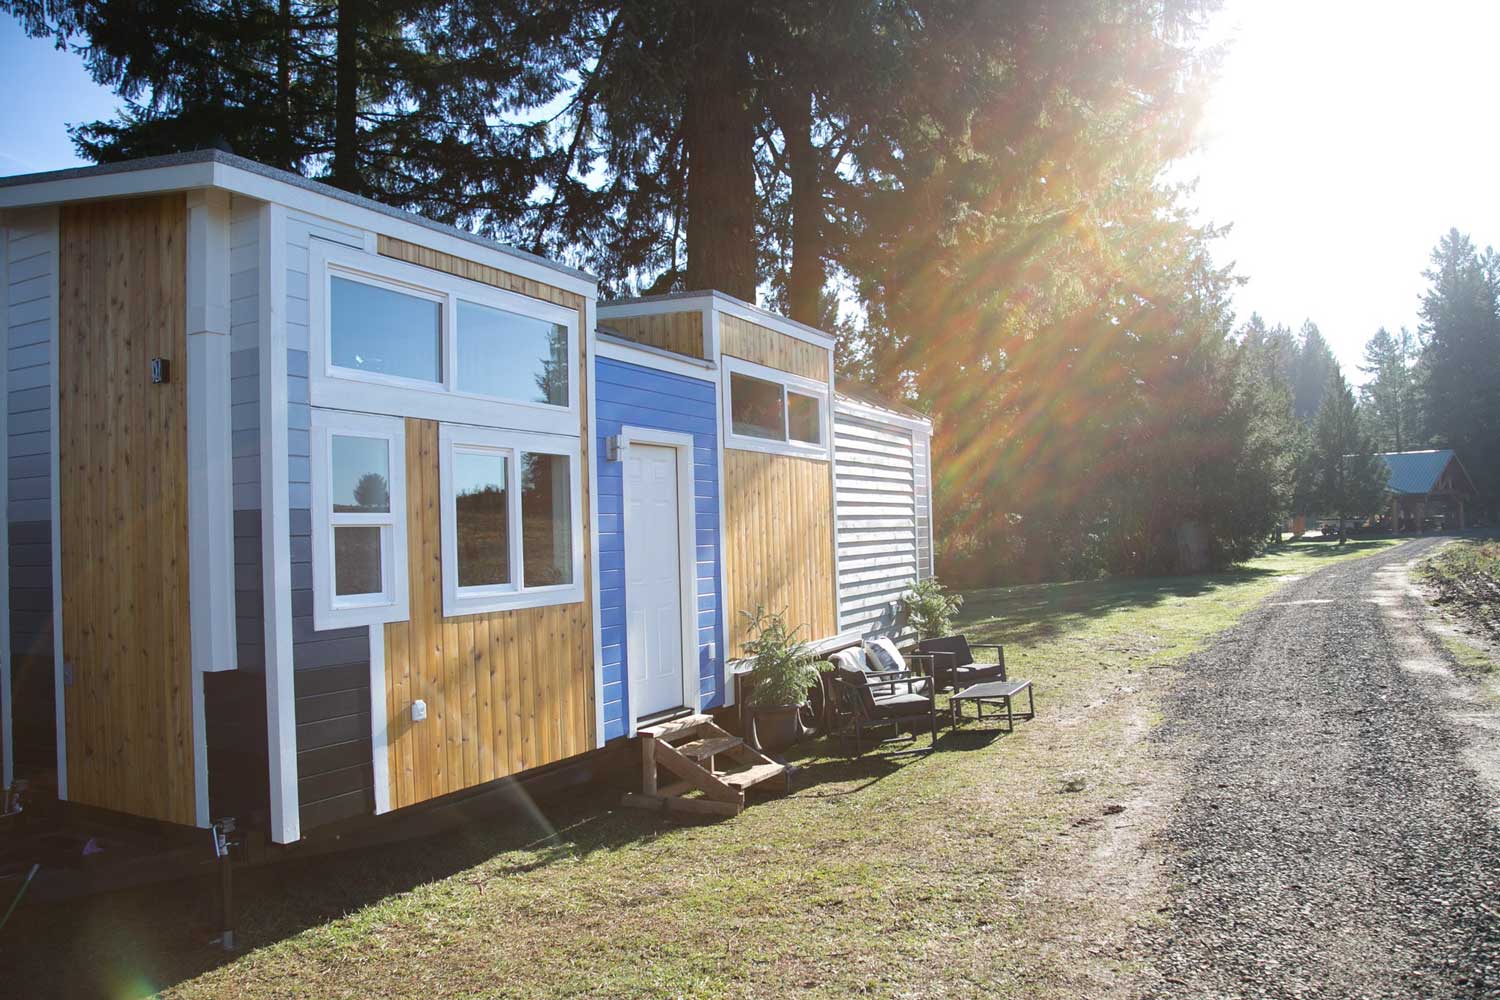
(138, 942)
(1037, 612)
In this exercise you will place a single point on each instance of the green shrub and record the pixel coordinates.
(930, 608)
(783, 669)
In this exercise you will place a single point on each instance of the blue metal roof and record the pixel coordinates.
(1416, 471)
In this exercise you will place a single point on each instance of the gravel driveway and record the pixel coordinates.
(1332, 841)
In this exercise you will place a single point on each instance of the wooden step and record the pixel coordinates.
(710, 746)
(682, 726)
(753, 776)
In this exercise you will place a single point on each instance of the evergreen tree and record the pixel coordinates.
(1461, 355)
(1315, 362)
(1390, 397)
(1348, 476)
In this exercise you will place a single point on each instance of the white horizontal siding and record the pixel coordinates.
(875, 480)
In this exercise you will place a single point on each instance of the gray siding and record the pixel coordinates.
(30, 310)
(875, 487)
(335, 774)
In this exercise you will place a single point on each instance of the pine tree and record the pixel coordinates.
(1348, 476)
(1390, 397)
(1315, 362)
(1461, 355)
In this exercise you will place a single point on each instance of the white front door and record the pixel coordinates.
(653, 580)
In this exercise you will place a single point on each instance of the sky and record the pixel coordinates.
(1341, 140)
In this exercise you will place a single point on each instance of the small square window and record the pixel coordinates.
(361, 481)
(804, 422)
(385, 332)
(757, 409)
(356, 560)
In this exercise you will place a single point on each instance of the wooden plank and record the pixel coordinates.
(484, 720)
(741, 338)
(122, 446)
(778, 542)
(468, 680)
(678, 332)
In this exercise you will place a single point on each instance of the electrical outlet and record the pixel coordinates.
(418, 710)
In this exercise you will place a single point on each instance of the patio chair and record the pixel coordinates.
(954, 664)
(872, 699)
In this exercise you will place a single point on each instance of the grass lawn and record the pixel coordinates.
(964, 873)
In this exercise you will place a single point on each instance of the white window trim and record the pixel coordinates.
(343, 388)
(391, 605)
(512, 444)
(794, 383)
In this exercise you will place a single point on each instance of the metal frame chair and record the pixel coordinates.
(869, 699)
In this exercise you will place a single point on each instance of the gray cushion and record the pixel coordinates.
(901, 704)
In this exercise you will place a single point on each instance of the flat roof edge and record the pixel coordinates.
(220, 158)
(723, 297)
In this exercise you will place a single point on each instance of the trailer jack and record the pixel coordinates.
(225, 841)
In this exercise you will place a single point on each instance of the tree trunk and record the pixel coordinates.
(284, 84)
(346, 99)
(719, 135)
(805, 283)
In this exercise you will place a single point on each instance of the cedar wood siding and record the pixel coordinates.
(778, 509)
(506, 691)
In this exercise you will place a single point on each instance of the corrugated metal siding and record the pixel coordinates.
(875, 501)
(641, 397)
(31, 279)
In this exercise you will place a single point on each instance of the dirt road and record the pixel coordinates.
(1337, 836)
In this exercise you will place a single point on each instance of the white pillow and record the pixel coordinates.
(884, 656)
(852, 659)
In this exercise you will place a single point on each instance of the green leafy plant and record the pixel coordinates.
(930, 608)
(783, 664)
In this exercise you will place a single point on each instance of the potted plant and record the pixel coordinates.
(930, 609)
(782, 671)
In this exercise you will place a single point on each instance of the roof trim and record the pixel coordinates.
(683, 301)
(215, 168)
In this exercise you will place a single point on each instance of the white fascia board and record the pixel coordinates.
(312, 202)
(235, 180)
(655, 360)
(655, 307)
(128, 183)
(876, 414)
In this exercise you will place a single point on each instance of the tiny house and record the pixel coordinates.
(751, 393)
(316, 510)
(298, 498)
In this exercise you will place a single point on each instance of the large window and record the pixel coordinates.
(776, 411)
(378, 330)
(391, 337)
(359, 519)
(511, 520)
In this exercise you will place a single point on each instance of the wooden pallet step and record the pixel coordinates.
(676, 727)
(753, 776)
(709, 746)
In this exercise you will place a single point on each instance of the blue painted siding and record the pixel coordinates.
(641, 397)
